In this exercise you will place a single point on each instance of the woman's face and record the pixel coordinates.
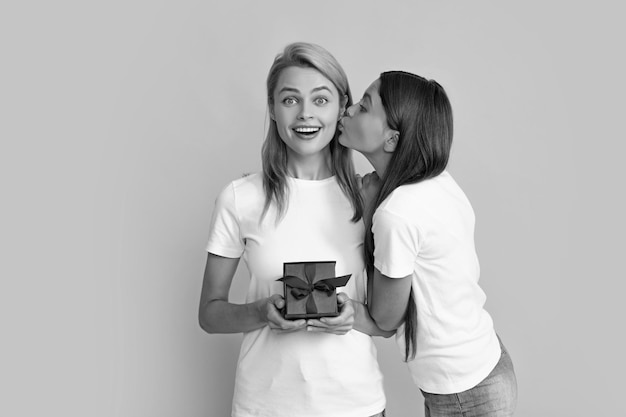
(306, 109)
(364, 126)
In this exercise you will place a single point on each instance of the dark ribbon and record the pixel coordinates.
(301, 288)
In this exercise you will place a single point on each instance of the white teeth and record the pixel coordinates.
(306, 129)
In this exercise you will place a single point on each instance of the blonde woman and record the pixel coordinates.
(304, 206)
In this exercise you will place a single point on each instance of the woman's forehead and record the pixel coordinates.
(303, 80)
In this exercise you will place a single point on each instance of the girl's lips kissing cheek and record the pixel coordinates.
(307, 132)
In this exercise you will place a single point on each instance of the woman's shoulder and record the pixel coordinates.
(246, 187)
(246, 183)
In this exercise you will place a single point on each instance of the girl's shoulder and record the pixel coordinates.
(435, 185)
(441, 189)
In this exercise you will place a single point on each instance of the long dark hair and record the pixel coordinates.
(274, 151)
(420, 111)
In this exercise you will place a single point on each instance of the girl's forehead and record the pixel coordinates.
(374, 87)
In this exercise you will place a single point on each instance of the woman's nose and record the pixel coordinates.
(349, 111)
(305, 112)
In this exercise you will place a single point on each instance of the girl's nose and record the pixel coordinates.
(349, 111)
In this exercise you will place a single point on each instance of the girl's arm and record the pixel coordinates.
(341, 324)
(388, 299)
(364, 323)
(217, 315)
(352, 315)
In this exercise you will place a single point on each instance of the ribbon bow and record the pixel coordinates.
(301, 288)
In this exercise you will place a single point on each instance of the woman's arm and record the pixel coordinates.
(388, 299)
(217, 315)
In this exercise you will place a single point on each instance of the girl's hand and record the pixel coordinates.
(270, 311)
(370, 184)
(341, 324)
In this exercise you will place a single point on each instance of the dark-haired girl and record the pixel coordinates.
(420, 249)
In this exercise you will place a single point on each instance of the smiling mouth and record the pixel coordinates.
(306, 131)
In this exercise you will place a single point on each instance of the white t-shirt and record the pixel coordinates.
(427, 230)
(298, 374)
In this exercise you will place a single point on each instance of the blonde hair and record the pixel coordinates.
(274, 151)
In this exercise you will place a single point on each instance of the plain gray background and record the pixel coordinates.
(122, 120)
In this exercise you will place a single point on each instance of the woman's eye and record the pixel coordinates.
(289, 101)
(362, 108)
(321, 101)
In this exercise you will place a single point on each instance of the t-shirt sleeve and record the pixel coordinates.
(225, 230)
(396, 244)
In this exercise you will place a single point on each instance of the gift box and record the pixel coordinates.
(310, 289)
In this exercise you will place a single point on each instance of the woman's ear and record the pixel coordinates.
(392, 141)
(342, 107)
(270, 109)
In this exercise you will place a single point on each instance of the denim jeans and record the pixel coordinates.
(495, 396)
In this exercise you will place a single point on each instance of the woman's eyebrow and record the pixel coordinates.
(288, 89)
(295, 90)
(320, 88)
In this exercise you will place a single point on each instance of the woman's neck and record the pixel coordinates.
(311, 167)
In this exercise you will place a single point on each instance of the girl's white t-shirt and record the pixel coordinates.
(427, 230)
(298, 374)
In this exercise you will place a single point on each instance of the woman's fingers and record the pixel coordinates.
(275, 319)
(340, 324)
